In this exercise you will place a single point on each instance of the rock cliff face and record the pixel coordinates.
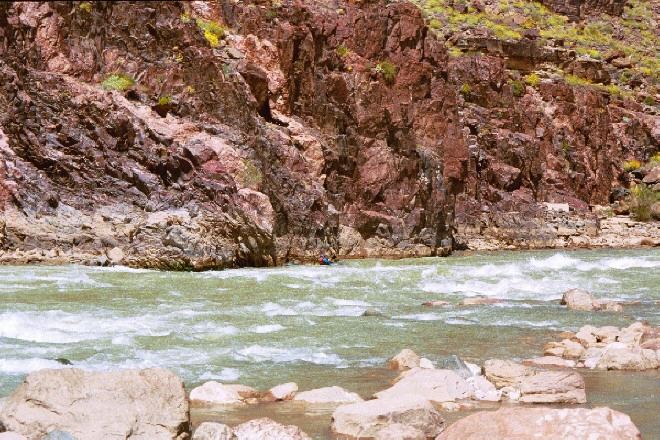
(253, 133)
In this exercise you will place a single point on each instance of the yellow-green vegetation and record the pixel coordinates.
(532, 79)
(466, 90)
(186, 17)
(190, 89)
(250, 175)
(387, 69)
(517, 88)
(654, 160)
(631, 165)
(118, 81)
(640, 202)
(213, 31)
(165, 99)
(633, 32)
(85, 6)
(343, 50)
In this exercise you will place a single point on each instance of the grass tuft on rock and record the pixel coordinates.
(118, 81)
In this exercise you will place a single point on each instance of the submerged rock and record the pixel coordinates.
(266, 428)
(145, 404)
(478, 301)
(328, 395)
(565, 424)
(366, 419)
(399, 431)
(405, 360)
(217, 393)
(285, 391)
(578, 299)
(213, 431)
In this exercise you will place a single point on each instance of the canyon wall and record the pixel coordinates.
(256, 133)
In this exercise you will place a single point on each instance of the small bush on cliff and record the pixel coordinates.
(387, 69)
(466, 90)
(118, 81)
(631, 165)
(213, 32)
(85, 6)
(250, 176)
(640, 201)
(654, 160)
(343, 50)
(164, 100)
(532, 79)
(517, 88)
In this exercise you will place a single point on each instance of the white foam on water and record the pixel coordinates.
(119, 269)
(550, 325)
(260, 353)
(273, 309)
(490, 270)
(122, 340)
(555, 262)
(25, 366)
(270, 328)
(225, 375)
(348, 302)
(59, 327)
(420, 317)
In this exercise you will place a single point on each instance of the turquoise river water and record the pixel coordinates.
(263, 327)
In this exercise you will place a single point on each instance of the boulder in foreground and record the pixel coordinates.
(545, 423)
(140, 404)
(366, 419)
(213, 431)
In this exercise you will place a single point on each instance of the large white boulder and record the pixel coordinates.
(286, 391)
(366, 419)
(140, 404)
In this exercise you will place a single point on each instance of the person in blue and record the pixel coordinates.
(324, 261)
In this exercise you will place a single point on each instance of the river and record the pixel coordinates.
(263, 327)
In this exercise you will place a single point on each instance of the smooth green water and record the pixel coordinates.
(263, 327)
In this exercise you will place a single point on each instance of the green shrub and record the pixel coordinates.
(186, 18)
(654, 160)
(532, 79)
(165, 99)
(631, 165)
(517, 88)
(118, 81)
(343, 50)
(85, 6)
(250, 175)
(387, 69)
(640, 201)
(649, 100)
(466, 90)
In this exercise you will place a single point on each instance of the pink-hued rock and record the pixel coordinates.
(285, 391)
(553, 387)
(434, 385)
(266, 428)
(547, 423)
(549, 361)
(328, 395)
(145, 404)
(578, 299)
(504, 373)
(365, 419)
(405, 360)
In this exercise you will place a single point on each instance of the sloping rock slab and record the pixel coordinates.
(366, 419)
(140, 404)
(544, 423)
(434, 385)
